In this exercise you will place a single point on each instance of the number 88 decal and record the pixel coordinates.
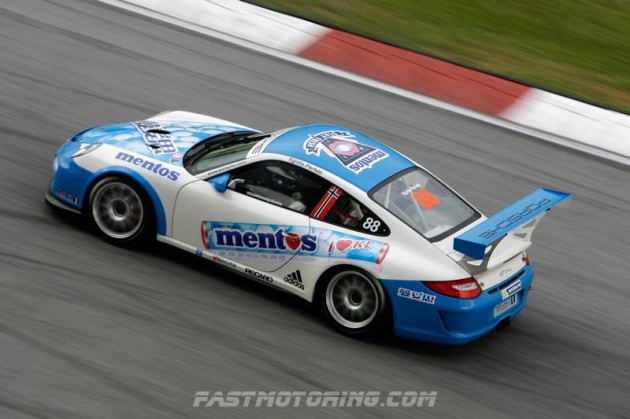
(371, 224)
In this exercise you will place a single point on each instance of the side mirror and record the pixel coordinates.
(220, 182)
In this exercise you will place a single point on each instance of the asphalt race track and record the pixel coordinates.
(91, 330)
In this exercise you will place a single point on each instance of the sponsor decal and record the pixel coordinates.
(156, 137)
(511, 289)
(371, 250)
(353, 155)
(176, 158)
(344, 245)
(416, 295)
(508, 221)
(295, 278)
(260, 146)
(253, 256)
(258, 275)
(258, 237)
(426, 199)
(67, 196)
(225, 168)
(289, 240)
(222, 261)
(150, 166)
(215, 258)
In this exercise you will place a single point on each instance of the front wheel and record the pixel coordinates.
(120, 211)
(354, 303)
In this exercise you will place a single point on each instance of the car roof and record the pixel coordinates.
(348, 154)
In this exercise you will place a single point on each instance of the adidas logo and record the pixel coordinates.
(295, 278)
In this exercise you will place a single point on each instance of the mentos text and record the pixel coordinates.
(368, 161)
(258, 240)
(149, 165)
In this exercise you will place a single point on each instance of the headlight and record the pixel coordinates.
(55, 165)
(86, 148)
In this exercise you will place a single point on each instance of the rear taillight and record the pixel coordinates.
(525, 258)
(461, 288)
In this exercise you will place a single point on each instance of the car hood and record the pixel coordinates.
(167, 141)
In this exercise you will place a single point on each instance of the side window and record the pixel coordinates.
(339, 208)
(279, 183)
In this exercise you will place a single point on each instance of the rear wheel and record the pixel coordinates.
(120, 211)
(354, 302)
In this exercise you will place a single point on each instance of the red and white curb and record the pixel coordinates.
(442, 84)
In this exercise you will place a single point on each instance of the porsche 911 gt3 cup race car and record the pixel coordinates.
(320, 211)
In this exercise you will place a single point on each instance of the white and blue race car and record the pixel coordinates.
(319, 211)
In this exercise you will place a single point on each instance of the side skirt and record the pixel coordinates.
(264, 278)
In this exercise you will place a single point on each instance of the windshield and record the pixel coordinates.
(220, 150)
(424, 203)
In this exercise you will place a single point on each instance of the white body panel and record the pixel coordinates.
(199, 202)
(104, 158)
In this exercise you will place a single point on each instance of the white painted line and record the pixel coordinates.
(240, 20)
(559, 115)
(621, 156)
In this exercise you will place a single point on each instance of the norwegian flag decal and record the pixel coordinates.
(326, 203)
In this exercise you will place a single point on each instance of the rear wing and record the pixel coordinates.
(520, 218)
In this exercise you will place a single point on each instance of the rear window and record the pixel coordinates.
(424, 203)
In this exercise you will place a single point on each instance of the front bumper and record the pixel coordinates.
(67, 187)
(58, 203)
(427, 316)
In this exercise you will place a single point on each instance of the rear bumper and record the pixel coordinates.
(421, 314)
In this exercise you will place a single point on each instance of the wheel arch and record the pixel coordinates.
(332, 271)
(329, 273)
(138, 180)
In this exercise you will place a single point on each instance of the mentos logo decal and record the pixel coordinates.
(266, 238)
(339, 144)
(149, 166)
(257, 237)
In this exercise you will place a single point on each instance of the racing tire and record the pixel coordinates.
(121, 211)
(354, 303)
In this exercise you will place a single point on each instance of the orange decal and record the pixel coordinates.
(425, 198)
